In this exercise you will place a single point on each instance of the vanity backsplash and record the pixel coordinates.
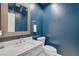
(13, 38)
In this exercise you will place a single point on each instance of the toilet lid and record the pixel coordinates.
(49, 48)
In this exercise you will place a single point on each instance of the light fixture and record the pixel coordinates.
(32, 7)
(18, 15)
(56, 8)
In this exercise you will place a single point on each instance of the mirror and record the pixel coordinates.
(17, 18)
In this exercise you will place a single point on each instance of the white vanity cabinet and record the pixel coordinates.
(33, 52)
(28, 47)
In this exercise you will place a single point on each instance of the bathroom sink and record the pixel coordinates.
(18, 47)
(24, 43)
(19, 44)
(1, 47)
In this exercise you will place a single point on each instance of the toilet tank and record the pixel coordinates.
(41, 39)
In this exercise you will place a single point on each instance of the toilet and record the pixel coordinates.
(48, 50)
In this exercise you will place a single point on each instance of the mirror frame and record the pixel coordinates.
(0, 17)
(4, 17)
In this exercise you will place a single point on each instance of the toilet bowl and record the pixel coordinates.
(48, 50)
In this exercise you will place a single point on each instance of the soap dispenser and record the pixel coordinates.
(34, 29)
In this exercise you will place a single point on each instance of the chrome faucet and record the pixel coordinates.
(20, 41)
(1, 47)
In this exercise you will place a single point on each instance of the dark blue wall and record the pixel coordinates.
(37, 15)
(60, 31)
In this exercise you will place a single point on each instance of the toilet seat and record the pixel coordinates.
(49, 50)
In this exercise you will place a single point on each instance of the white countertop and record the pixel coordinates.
(11, 49)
